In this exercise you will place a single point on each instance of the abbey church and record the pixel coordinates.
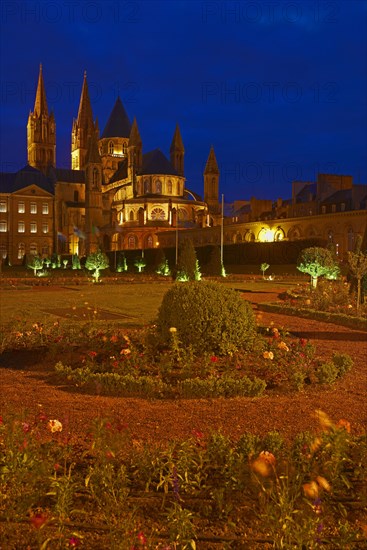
(114, 197)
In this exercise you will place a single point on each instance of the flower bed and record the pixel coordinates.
(206, 492)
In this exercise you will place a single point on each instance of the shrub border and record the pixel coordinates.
(357, 323)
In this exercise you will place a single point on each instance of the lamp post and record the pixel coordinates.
(221, 232)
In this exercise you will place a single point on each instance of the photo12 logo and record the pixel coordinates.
(269, 12)
(70, 11)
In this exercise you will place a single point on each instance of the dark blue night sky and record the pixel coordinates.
(278, 87)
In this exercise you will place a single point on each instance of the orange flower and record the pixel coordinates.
(344, 424)
(323, 483)
(268, 355)
(311, 489)
(264, 463)
(323, 419)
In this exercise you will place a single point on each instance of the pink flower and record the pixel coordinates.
(74, 542)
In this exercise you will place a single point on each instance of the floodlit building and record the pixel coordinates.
(115, 196)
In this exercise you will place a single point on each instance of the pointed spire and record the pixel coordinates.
(211, 164)
(118, 124)
(93, 153)
(135, 138)
(85, 115)
(177, 144)
(40, 104)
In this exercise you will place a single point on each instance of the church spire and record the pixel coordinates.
(83, 129)
(177, 152)
(85, 115)
(41, 131)
(211, 164)
(40, 104)
(211, 182)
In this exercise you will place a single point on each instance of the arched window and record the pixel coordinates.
(124, 149)
(182, 214)
(146, 186)
(279, 234)
(149, 241)
(21, 250)
(158, 187)
(33, 249)
(132, 241)
(131, 215)
(169, 187)
(111, 148)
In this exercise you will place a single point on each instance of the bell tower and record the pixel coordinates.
(211, 182)
(41, 131)
(82, 130)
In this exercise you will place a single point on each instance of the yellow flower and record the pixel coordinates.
(173, 330)
(125, 351)
(323, 419)
(315, 444)
(54, 426)
(311, 489)
(268, 355)
(322, 482)
(283, 346)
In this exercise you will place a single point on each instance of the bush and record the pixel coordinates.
(327, 373)
(207, 316)
(343, 363)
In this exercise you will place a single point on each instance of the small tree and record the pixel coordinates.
(35, 263)
(264, 266)
(186, 265)
(121, 262)
(97, 261)
(75, 261)
(358, 266)
(140, 263)
(214, 266)
(316, 262)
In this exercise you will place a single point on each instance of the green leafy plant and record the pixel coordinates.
(207, 316)
(35, 263)
(316, 262)
(264, 266)
(187, 267)
(97, 261)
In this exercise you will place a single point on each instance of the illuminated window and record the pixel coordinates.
(21, 227)
(33, 249)
(45, 228)
(2, 206)
(33, 208)
(45, 208)
(146, 186)
(111, 148)
(157, 214)
(33, 227)
(2, 227)
(333, 208)
(21, 207)
(3, 251)
(124, 149)
(21, 250)
(149, 241)
(169, 187)
(158, 187)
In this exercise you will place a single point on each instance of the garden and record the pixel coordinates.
(162, 415)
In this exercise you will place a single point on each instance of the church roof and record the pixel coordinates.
(155, 162)
(85, 115)
(67, 175)
(177, 143)
(307, 193)
(11, 182)
(121, 172)
(118, 124)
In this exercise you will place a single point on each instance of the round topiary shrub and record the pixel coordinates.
(208, 316)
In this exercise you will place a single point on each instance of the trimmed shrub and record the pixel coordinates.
(209, 317)
(343, 363)
(327, 373)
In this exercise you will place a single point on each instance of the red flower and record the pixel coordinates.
(38, 520)
(92, 354)
(74, 542)
(141, 538)
(197, 434)
(302, 342)
(213, 359)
